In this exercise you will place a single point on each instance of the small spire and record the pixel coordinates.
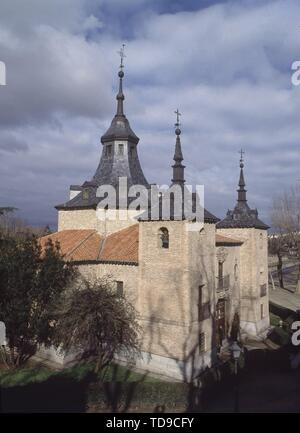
(178, 168)
(241, 190)
(120, 95)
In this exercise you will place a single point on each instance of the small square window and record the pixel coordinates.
(120, 288)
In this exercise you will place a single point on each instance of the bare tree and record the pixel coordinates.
(285, 217)
(14, 226)
(277, 247)
(97, 323)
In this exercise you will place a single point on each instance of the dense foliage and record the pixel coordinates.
(31, 282)
(96, 323)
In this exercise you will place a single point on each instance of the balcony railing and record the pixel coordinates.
(223, 283)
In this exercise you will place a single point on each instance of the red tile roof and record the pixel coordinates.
(90, 246)
(119, 247)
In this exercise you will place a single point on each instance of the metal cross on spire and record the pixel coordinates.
(241, 152)
(122, 55)
(177, 124)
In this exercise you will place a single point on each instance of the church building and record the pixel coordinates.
(186, 285)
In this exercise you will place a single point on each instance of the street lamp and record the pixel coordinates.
(236, 351)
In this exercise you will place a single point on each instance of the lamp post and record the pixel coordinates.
(236, 351)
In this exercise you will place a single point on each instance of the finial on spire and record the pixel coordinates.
(120, 95)
(122, 55)
(177, 124)
(242, 158)
(241, 190)
(178, 168)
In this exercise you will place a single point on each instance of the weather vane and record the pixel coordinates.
(242, 153)
(122, 55)
(177, 124)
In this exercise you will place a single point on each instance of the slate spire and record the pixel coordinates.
(120, 95)
(119, 157)
(241, 190)
(242, 216)
(120, 128)
(178, 167)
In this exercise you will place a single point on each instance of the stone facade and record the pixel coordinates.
(253, 275)
(169, 281)
(127, 274)
(104, 222)
(228, 285)
(177, 291)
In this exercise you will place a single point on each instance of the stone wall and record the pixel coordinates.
(231, 268)
(77, 219)
(169, 290)
(126, 273)
(254, 308)
(201, 271)
(105, 222)
(165, 287)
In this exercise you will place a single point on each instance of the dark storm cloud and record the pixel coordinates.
(226, 65)
(11, 143)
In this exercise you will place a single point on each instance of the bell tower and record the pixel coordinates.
(243, 223)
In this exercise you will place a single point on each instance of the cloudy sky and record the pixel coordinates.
(225, 64)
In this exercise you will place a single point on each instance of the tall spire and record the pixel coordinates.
(120, 95)
(178, 168)
(241, 190)
(242, 216)
(119, 154)
(120, 128)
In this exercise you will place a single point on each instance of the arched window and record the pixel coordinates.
(163, 237)
(202, 231)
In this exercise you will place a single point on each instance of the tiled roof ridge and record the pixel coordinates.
(101, 247)
(81, 242)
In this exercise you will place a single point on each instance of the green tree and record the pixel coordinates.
(95, 322)
(31, 281)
